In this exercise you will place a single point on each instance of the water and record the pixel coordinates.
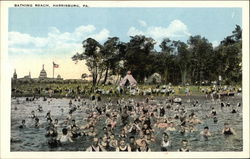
(33, 139)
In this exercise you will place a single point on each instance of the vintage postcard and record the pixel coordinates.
(124, 79)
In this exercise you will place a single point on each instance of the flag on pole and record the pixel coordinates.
(55, 65)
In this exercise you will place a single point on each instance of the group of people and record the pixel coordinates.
(125, 125)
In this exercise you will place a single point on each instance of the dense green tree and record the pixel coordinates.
(201, 51)
(110, 53)
(183, 59)
(93, 57)
(178, 62)
(230, 55)
(139, 56)
(166, 60)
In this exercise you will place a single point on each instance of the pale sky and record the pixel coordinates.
(42, 35)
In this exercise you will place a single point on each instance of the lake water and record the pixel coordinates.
(33, 139)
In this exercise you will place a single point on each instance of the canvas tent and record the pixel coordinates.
(154, 78)
(128, 80)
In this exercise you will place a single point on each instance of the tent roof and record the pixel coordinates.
(130, 78)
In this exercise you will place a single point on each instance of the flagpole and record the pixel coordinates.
(53, 70)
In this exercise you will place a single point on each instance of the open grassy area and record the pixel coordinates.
(84, 89)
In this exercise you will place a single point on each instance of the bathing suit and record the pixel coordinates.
(214, 113)
(123, 150)
(165, 145)
(222, 105)
(133, 147)
(162, 111)
(75, 135)
(139, 149)
(133, 131)
(98, 149)
(233, 111)
(228, 132)
(183, 150)
(21, 126)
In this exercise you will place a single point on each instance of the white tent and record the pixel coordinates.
(154, 78)
(128, 79)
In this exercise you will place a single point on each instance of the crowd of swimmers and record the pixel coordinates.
(127, 125)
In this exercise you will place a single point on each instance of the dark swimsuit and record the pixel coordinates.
(228, 132)
(95, 150)
(140, 149)
(214, 113)
(133, 147)
(162, 112)
(123, 150)
(233, 111)
(183, 151)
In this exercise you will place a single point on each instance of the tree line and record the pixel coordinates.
(193, 62)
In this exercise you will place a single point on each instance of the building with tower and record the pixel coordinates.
(28, 76)
(43, 74)
(59, 77)
(14, 75)
(43, 78)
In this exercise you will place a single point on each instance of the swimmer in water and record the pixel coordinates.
(56, 124)
(184, 147)
(132, 144)
(95, 146)
(143, 147)
(171, 127)
(40, 109)
(141, 137)
(65, 136)
(123, 146)
(52, 138)
(227, 130)
(49, 123)
(51, 133)
(37, 124)
(23, 125)
(228, 105)
(222, 105)
(33, 116)
(215, 119)
(205, 133)
(113, 142)
(70, 103)
(75, 133)
(233, 111)
(213, 112)
(92, 131)
(104, 143)
(238, 104)
(165, 143)
(48, 115)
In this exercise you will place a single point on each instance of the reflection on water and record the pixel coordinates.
(33, 139)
